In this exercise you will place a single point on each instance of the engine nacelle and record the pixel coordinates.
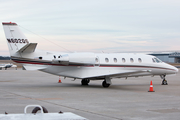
(75, 59)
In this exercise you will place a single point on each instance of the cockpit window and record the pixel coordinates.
(157, 60)
(153, 60)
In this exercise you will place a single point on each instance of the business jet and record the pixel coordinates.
(8, 65)
(85, 66)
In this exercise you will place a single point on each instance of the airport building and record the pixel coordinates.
(168, 57)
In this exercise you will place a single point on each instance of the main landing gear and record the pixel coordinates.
(107, 82)
(104, 84)
(85, 81)
(164, 82)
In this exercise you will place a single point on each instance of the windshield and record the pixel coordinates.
(157, 60)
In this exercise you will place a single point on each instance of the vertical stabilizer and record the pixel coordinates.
(15, 38)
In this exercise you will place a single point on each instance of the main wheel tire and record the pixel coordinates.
(104, 84)
(37, 109)
(85, 81)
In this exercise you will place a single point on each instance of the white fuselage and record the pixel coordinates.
(96, 65)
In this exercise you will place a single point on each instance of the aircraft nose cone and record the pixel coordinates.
(176, 69)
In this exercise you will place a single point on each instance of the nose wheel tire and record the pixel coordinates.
(104, 84)
(164, 82)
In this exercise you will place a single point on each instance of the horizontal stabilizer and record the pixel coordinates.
(28, 48)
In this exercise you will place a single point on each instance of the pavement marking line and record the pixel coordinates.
(111, 117)
(42, 98)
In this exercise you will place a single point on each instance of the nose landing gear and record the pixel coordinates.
(164, 82)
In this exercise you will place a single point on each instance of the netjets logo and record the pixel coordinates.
(17, 40)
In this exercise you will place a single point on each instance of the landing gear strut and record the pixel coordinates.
(85, 81)
(107, 82)
(164, 82)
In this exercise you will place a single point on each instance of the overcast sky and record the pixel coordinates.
(95, 25)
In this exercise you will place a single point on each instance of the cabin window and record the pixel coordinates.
(106, 59)
(115, 60)
(139, 59)
(123, 60)
(40, 58)
(131, 59)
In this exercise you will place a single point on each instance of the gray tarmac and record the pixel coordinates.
(123, 100)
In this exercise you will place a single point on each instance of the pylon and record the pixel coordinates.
(151, 87)
(59, 80)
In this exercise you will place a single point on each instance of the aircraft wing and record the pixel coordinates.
(101, 74)
(129, 73)
(122, 74)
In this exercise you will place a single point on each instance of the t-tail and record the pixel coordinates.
(16, 40)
